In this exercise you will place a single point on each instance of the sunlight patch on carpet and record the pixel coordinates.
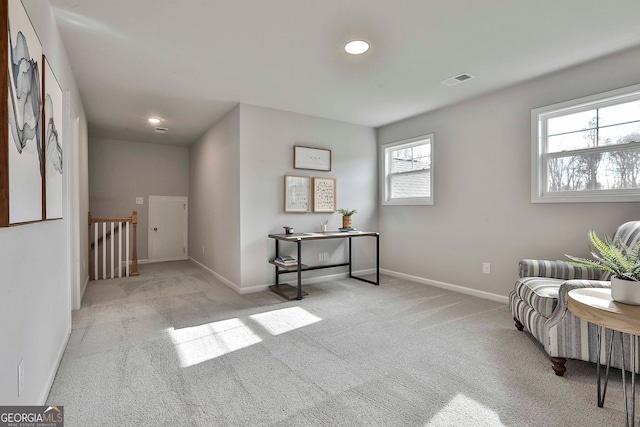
(198, 344)
(278, 322)
(464, 411)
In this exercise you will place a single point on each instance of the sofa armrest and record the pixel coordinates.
(563, 295)
(555, 270)
(567, 336)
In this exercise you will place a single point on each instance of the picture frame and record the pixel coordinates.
(21, 157)
(52, 142)
(297, 194)
(318, 159)
(324, 194)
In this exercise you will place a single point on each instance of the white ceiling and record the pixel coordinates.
(190, 61)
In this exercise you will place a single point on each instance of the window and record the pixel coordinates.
(407, 172)
(587, 150)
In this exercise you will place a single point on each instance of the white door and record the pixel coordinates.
(167, 228)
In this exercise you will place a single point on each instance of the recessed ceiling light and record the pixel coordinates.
(154, 120)
(356, 47)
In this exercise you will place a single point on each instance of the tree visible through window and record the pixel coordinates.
(588, 151)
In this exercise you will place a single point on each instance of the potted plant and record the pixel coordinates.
(622, 261)
(346, 216)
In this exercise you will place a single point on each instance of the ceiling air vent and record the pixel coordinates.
(161, 130)
(458, 79)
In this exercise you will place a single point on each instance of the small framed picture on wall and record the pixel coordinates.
(297, 193)
(318, 159)
(324, 194)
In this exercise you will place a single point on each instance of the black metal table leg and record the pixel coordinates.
(299, 269)
(601, 395)
(634, 368)
(277, 255)
(350, 275)
(377, 259)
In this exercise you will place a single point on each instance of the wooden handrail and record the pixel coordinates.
(94, 220)
(134, 256)
(134, 221)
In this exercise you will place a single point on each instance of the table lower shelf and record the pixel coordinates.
(287, 291)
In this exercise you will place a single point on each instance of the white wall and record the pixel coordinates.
(267, 137)
(214, 204)
(35, 259)
(237, 192)
(120, 171)
(482, 210)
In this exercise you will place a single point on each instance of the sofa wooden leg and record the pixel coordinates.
(519, 325)
(558, 365)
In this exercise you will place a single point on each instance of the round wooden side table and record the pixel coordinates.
(595, 305)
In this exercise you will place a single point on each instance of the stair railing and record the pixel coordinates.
(104, 248)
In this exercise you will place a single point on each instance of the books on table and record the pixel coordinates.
(286, 261)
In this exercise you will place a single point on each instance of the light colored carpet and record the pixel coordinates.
(174, 347)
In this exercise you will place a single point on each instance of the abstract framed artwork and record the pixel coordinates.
(324, 194)
(52, 143)
(21, 157)
(318, 159)
(297, 193)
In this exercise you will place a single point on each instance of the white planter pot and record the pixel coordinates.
(625, 291)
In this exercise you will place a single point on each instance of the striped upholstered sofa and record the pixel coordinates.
(538, 304)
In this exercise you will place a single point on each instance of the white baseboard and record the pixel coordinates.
(151, 261)
(223, 279)
(52, 374)
(84, 288)
(449, 286)
(318, 279)
(260, 288)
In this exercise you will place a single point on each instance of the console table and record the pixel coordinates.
(290, 292)
(595, 305)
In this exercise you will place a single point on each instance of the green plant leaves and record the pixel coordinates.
(613, 256)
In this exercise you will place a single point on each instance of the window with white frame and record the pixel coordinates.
(587, 150)
(407, 172)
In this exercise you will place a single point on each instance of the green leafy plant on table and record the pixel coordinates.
(346, 216)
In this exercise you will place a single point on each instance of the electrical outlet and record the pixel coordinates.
(486, 268)
(321, 257)
(20, 378)
(326, 256)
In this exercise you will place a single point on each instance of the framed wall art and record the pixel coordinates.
(21, 157)
(52, 143)
(297, 193)
(324, 194)
(318, 159)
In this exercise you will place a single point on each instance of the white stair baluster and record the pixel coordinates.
(95, 251)
(119, 248)
(113, 259)
(104, 250)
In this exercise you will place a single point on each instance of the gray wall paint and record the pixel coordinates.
(266, 153)
(482, 209)
(120, 171)
(237, 191)
(214, 211)
(35, 259)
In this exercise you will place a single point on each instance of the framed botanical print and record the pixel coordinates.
(324, 194)
(297, 193)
